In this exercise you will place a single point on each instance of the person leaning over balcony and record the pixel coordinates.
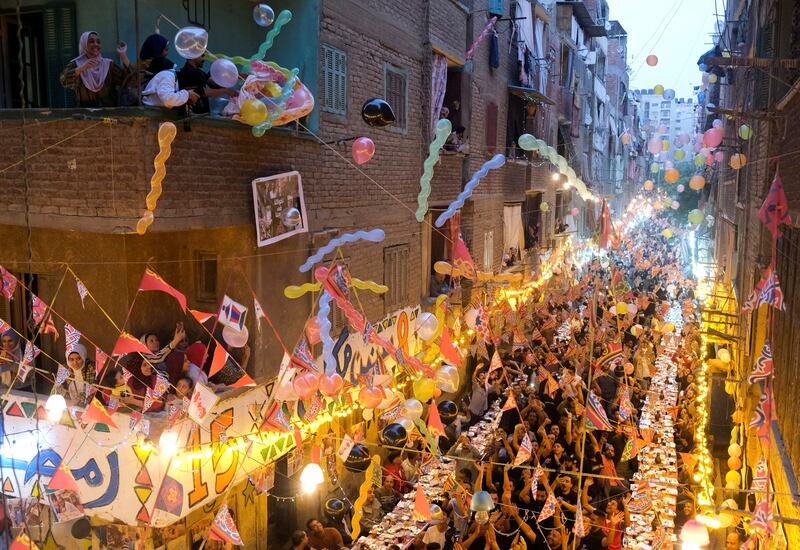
(95, 79)
(193, 78)
(162, 90)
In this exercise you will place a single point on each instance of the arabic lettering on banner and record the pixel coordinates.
(355, 357)
(118, 480)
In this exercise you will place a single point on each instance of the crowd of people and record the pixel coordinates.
(567, 352)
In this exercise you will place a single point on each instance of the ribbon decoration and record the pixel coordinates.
(358, 505)
(527, 142)
(295, 291)
(277, 104)
(492, 164)
(375, 236)
(324, 322)
(443, 129)
(484, 33)
(166, 135)
(283, 17)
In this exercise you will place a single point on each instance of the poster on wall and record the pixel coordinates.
(280, 210)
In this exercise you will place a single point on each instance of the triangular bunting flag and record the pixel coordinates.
(224, 529)
(422, 508)
(153, 281)
(549, 508)
(63, 479)
(435, 426)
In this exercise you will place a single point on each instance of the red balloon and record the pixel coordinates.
(331, 385)
(312, 331)
(370, 397)
(363, 150)
(712, 137)
(305, 384)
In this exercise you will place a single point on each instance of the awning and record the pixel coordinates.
(530, 94)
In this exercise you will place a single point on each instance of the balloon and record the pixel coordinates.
(305, 384)
(411, 409)
(363, 149)
(481, 502)
(263, 15)
(724, 355)
(734, 449)
(144, 222)
(613, 310)
(423, 389)
(699, 160)
(544, 207)
(712, 137)
(719, 156)
(291, 218)
(672, 175)
(331, 384)
(81, 529)
(394, 435)
(734, 462)
(654, 145)
(745, 132)
(733, 477)
(334, 507)
(655, 168)
(312, 331)
(732, 486)
(471, 317)
(448, 411)
(657, 205)
(497, 161)
(370, 397)
(628, 369)
(224, 73)
(407, 423)
(738, 416)
(427, 325)
(675, 205)
(680, 188)
(575, 211)
(191, 42)
(667, 233)
(447, 379)
(285, 391)
(697, 183)
(253, 111)
(669, 94)
(717, 123)
(738, 160)
(648, 185)
(658, 89)
(373, 236)
(632, 308)
(712, 78)
(527, 142)
(437, 515)
(376, 112)
(622, 308)
(443, 129)
(651, 60)
(358, 459)
(235, 338)
(625, 138)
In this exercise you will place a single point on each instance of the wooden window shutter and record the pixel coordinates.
(395, 88)
(491, 126)
(395, 276)
(60, 47)
(334, 80)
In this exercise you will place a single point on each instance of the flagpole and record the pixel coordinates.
(586, 407)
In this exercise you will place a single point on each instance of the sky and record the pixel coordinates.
(676, 31)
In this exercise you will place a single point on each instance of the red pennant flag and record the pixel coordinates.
(775, 210)
(245, 380)
(220, 357)
(511, 403)
(201, 316)
(448, 349)
(422, 508)
(127, 343)
(435, 426)
(496, 363)
(100, 358)
(23, 542)
(96, 412)
(153, 281)
(63, 479)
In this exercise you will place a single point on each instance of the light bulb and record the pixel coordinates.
(168, 442)
(311, 477)
(55, 407)
(556, 176)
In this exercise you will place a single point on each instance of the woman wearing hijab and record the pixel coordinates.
(92, 77)
(162, 90)
(157, 354)
(82, 374)
(10, 354)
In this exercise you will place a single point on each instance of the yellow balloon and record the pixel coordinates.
(273, 89)
(667, 233)
(665, 145)
(680, 154)
(696, 216)
(658, 89)
(424, 389)
(253, 112)
(733, 477)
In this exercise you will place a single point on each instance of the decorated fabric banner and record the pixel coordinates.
(596, 418)
(549, 508)
(201, 404)
(9, 283)
(71, 337)
(346, 446)
(232, 313)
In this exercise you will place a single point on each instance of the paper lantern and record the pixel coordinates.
(651, 60)
(394, 435)
(672, 175)
(724, 355)
(694, 532)
(738, 161)
(733, 477)
(734, 463)
(481, 502)
(697, 182)
(745, 132)
(734, 449)
(648, 185)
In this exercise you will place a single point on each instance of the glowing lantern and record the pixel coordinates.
(745, 132)
(738, 160)
(672, 175)
(697, 182)
(694, 533)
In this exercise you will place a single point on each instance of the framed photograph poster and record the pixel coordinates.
(280, 210)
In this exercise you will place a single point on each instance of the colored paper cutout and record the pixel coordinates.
(15, 410)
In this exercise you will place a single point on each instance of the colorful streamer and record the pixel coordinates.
(443, 129)
(296, 291)
(283, 17)
(374, 236)
(358, 505)
(324, 321)
(527, 142)
(484, 33)
(277, 105)
(495, 162)
(166, 135)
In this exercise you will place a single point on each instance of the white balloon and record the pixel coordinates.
(285, 392)
(407, 423)
(427, 325)
(235, 338)
(470, 317)
(447, 379)
(411, 409)
(263, 15)
(224, 73)
(191, 42)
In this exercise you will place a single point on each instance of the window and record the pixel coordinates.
(206, 277)
(396, 93)
(334, 80)
(665, 104)
(491, 126)
(395, 276)
(566, 66)
(488, 251)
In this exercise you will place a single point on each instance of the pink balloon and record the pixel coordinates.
(628, 369)
(363, 150)
(681, 188)
(654, 145)
(712, 137)
(575, 211)
(710, 160)
(331, 385)
(719, 156)
(683, 139)
(312, 331)
(370, 397)
(305, 384)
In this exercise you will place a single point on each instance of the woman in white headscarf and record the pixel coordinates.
(81, 375)
(94, 78)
